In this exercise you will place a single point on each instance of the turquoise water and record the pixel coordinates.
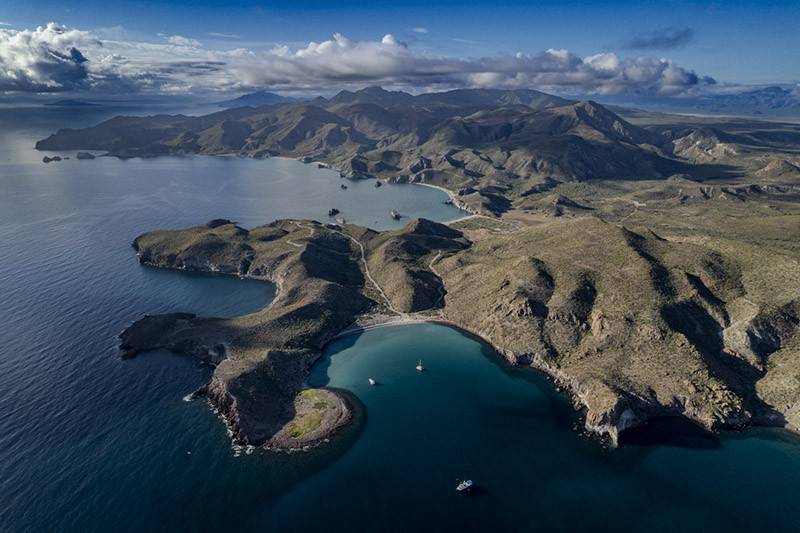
(92, 442)
(471, 416)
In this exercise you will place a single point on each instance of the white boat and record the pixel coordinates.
(420, 367)
(464, 485)
(372, 381)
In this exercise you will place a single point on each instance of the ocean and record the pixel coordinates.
(93, 442)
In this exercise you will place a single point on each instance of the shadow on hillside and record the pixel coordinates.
(670, 431)
(712, 171)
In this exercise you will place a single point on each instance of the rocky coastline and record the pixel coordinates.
(534, 312)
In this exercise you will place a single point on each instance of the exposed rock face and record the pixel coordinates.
(779, 168)
(421, 164)
(708, 144)
(84, 155)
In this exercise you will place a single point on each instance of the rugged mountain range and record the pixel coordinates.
(758, 101)
(492, 147)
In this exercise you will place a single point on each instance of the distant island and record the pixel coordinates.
(256, 99)
(71, 103)
(649, 264)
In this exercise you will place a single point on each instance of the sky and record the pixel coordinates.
(665, 49)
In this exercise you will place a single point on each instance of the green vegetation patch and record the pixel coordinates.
(316, 397)
(305, 424)
(476, 223)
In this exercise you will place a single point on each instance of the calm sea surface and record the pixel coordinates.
(91, 442)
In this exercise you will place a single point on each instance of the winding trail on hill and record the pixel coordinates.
(311, 234)
(363, 260)
(438, 255)
(636, 206)
(366, 270)
(441, 286)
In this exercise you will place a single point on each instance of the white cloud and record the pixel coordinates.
(342, 61)
(420, 30)
(183, 41)
(5, 24)
(45, 59)
(224, 35)
(56, 58)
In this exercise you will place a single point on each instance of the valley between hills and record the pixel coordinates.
(649, 263)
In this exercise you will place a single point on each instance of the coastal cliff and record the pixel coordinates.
(632, 324)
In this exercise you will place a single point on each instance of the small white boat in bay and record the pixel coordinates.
(420, 367)
(372, 381)
(464, 485)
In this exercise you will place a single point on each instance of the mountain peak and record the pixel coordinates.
(373, 95)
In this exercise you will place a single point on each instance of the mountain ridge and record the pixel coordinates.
(494, 143)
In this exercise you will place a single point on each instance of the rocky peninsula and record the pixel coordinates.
(632, 323)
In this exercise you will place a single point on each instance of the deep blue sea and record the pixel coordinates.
(92, 442)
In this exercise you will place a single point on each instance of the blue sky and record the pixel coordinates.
(745, 43)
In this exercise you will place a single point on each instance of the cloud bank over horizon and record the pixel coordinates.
(56, 59)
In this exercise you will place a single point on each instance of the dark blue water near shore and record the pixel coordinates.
(91, 442)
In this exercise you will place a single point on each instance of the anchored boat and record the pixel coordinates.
(372, 381)
(464, 485)
(420, 367)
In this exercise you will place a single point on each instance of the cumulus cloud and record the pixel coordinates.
(183, 41)
(45, 59)
(56, 58)
(390, 61)
(663, 39)
(420, 30)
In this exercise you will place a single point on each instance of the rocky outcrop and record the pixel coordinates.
(779, 168)
(708, 144)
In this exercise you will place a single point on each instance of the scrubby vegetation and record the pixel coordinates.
(693, 313)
